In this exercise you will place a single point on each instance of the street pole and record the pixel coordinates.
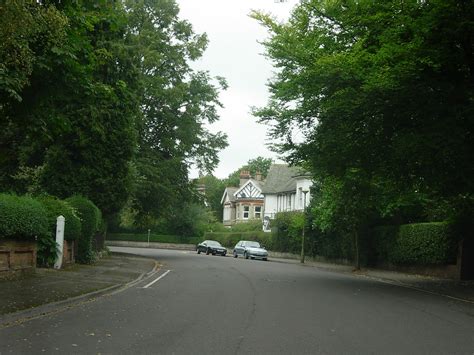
(304, 225)
(148, 237)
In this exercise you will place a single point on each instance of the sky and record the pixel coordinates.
(235, 53)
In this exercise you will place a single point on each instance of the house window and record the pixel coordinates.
(300, 194)
(246, 212)
(258, 211)
(289, 202)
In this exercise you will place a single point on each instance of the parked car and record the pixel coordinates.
(249, 249)
(211, 247)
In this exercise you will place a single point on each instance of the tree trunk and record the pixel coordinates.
(356, 247)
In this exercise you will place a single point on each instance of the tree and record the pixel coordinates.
(258, 165)
(74, 129)
(176, 104)
(100, 100)
(381, 88)
(214, 189)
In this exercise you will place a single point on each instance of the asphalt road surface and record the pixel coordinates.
(204, 304)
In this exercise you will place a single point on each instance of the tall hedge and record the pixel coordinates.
(90, 217)
(22, 217)
(415, 244)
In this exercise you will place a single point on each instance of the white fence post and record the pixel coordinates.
(59, 241)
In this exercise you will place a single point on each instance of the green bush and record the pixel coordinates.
(22, 217)
(254, 225)
(415, 244)
(54, 208)
(229, 239)
(90, 217)
(156, 238)
(288, 230)
(47, 251)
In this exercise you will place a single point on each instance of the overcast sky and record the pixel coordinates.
(235, 54)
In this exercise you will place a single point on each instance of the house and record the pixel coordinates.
(286, 189)
(243, 203)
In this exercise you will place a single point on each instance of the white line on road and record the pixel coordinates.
(156, 280)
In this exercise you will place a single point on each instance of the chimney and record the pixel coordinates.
(244, 176)
(258, 176)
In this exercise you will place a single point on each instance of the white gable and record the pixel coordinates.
(225, 197)
(249, 190)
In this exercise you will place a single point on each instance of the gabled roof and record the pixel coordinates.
(251, 189)
(283, 178)
(229, 191)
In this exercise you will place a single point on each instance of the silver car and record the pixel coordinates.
(250, 249)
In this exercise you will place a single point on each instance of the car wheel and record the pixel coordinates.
(235, 254)
(214, 253)
(246, 255)
(207, 252)
(224, 254)
(264, 259)
(199, 251)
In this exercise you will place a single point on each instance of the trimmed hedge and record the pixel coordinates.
(250, 226)
(22, 217)
(229, 239)
(90, 217)
(415, 244)
(156, 238)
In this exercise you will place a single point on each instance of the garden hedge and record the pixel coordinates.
(229, 239)
(22, 217)
(155, 238)
(90, 217)
(415, 244)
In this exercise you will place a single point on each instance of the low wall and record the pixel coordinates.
(119, 243)
(17, 257)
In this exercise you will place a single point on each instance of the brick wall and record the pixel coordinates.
(17, 257)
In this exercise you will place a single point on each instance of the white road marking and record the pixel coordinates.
(156, 280)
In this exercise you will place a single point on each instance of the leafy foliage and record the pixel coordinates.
(258, 165)
(176, 103)
(22, 217)
(90, 217)
(100, 100)
(383, 98)
(416, 244)
(288, 231)
(55, 208)
(47, 251)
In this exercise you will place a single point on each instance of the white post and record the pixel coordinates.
(148, 238)
(59, 241)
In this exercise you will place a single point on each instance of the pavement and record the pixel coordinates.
(49, 289)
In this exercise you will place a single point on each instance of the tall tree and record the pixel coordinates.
(177, 103)
(383, 87)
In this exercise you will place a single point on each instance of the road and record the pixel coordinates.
(210, 304)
